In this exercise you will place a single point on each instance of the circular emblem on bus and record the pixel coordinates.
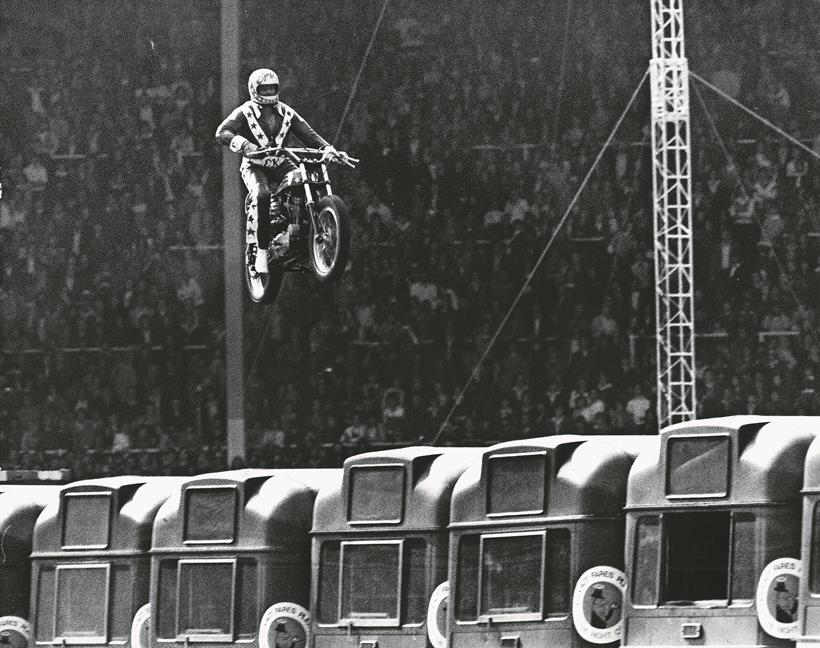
(437, 615)
(284, 625)
(15, 632)
(597, 604)
(140, 627)
(776, 598)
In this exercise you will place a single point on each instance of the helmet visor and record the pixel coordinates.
(268, 89)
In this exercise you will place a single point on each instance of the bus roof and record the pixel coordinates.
(20, 506)
(407, 488)
(248, 508)
(549, 477)
(811, 476)
(732, 460)
(112, 513)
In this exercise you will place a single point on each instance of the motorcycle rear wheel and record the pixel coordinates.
(264, 288)
(329, 247)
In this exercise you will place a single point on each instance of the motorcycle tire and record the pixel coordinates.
(329, 248)
(264, 288)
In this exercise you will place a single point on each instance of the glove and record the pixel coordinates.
(241, 145)
(248, 148)
(330, 152)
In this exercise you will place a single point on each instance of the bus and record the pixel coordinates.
(380, 548)
(90, 560)
(536, 543)
(20, 507)
(809, 597)
(230, 559)
(713, 533)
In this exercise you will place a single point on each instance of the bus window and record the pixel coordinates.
(44, 630)
(329, 583)
(516, 483)
(814, 576)
(370, 581)
(205, 603)
(247, 606)
(697, 556)
(86, 519)
(645, 570)
(376, 493)
(167, 608)
(210, 514)
(120, 624)
(698, 465)
(467, 578)
(744, 557)
(512, 574)
(558, 584)
(82, 597)
(415, 580)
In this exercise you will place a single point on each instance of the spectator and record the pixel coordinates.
(354, 434)
(638, 407)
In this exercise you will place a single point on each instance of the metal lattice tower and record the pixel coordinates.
(672, 210)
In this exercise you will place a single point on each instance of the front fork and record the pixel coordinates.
(310, 204)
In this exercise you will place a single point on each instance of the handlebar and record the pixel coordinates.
(298, 154)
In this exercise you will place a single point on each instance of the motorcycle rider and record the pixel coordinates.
(265, 121)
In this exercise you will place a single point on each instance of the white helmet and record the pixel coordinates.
(266, 81)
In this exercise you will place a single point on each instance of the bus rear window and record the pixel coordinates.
(82, 601)
(205, 594)
(378, 581)
(516, 483)
(690, 558)
(512, 575)
(697, 548)
(814, 575)
(210, 514)
(645, 562)
(167, 599)
(328, 607)
(466, 599)
(44, 619)
(376, 493)
(558, 572)
(697, 466)
(86, 519)
(416, 581)
(370, 581)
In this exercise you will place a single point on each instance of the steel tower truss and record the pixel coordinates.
(672, 210)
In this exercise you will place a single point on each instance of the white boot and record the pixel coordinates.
(261, 265)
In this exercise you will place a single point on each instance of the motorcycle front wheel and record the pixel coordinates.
(263, 288)
(329, 245)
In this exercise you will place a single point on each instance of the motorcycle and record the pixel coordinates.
(309, 225)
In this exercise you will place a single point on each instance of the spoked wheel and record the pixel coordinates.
(264, 287)
(329, 246)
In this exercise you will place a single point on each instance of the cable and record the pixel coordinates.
(540, 258)
(561, 76)
(747, 195)
(361, 69)
(751, 112)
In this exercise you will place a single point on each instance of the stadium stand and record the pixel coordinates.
(110, 229)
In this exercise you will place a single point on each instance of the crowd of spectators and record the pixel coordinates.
(475, 130)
